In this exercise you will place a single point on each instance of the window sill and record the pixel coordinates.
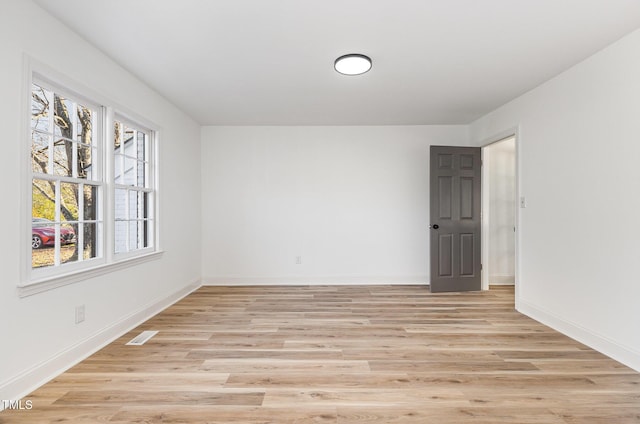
(50, 283)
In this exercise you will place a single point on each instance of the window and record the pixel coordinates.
(67, 182)
(92, 202)
(133, 185)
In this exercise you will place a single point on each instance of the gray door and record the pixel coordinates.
(455, 218)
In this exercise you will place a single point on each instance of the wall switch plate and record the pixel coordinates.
(79, 314)
(298, 260)
(523, 202)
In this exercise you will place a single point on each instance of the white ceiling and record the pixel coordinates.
(270, 62)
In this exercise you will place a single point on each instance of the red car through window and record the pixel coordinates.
(43, 233)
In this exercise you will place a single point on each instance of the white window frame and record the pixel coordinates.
(57, 268)
(149, 188)
(38, 280)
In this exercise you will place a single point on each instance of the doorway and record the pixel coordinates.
(499, 210)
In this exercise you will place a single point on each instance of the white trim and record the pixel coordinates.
(502, 280)
(59, 271)
(131, 122)
(34, 377)
(486, 209)
(484, 218)
(78, 89)
(35, 287)
(334, 280)
(154, 171)
(34, 281)
(133, 254)
(26, 182)
(38, 275)
(499, 136)
(150, 187)
(66, 88)
(621, 353)
(109, 195)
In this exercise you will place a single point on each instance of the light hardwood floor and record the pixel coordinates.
(330, 354)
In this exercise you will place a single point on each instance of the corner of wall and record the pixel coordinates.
(614, 350)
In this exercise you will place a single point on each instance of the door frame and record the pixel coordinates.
(515, 133)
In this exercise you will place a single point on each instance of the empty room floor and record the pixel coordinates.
(341, 354)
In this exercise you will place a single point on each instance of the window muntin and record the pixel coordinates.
(72, 178)
(66, 193)
(133, 187)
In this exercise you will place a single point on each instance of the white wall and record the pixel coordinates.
(499, 159)
(353, 202)
(579, 144)
(39, 336)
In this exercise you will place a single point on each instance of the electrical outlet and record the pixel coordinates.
(298, 260)
(79, 314)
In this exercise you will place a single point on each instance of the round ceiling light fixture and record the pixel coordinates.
(352, 64)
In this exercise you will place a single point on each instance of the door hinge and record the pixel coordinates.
(480, 267)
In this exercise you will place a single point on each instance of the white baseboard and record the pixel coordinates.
(502, 280)
(602, 344)
(315, 281)
(26, 382)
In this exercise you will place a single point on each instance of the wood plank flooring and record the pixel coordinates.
(333, 354)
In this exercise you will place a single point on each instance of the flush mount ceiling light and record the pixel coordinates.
(352, 64)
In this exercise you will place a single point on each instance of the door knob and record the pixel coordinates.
(435, 226)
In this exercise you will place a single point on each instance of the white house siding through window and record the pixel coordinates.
(132, 188)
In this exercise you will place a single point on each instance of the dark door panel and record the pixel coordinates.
(455, 218)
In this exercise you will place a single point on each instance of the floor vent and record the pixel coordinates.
(142, 338)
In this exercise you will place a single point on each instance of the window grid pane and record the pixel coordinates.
(65, 214)
(68, 186)
(131, 175)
